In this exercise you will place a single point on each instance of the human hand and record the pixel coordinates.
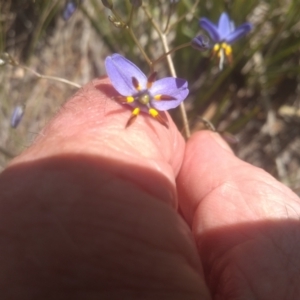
(89, 211)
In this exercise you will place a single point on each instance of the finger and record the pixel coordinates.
(211, 171)
(243, 221)
(93, 123)
(88, 211)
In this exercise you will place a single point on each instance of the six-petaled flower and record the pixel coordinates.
(223, 35)
(142, 93)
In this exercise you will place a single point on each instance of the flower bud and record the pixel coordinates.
(201, 42)
(116, 23)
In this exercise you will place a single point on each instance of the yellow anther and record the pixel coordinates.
(157, 97)
(129, 99)
(136, 111)
(216, 47)
(228, 50)
(153, 112)
(133, 116)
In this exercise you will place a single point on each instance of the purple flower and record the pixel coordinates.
(142, 93)
(69, 9)
(225, 31)
(224, 34)
(17, 116)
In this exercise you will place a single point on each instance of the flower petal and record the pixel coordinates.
(121, 71)
(174, 87)
(211, 29)
(224, 26)
(239, 32)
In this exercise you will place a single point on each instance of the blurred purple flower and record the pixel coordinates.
(69, 9)
(224, 34)
(225, 31)
(142, 93)
(17, 116)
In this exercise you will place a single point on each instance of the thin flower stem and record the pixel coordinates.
(127, 26)
(173, 73)
(171, 8)
(130, 17)
(149, 62)
(188, 44)
(115, 13)
(163, 38)
(11, 61)
(59, 79)
(182, 17)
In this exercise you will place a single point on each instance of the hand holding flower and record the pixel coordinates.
(89, 211)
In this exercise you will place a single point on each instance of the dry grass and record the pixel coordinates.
(69, 50)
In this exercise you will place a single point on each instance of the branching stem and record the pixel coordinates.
(164, 41)
(127, 26)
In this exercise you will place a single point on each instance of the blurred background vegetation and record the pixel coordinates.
(256, 99)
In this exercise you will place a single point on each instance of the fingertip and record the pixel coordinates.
(215, 187)
(91, 123)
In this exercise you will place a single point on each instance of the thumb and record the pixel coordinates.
(244, 222)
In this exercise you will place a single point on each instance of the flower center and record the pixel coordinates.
(218, 48)
(223, 50)
(143, 97)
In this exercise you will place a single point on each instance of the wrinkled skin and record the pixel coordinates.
(90, 211)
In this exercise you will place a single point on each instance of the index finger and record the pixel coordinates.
(92, 123)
